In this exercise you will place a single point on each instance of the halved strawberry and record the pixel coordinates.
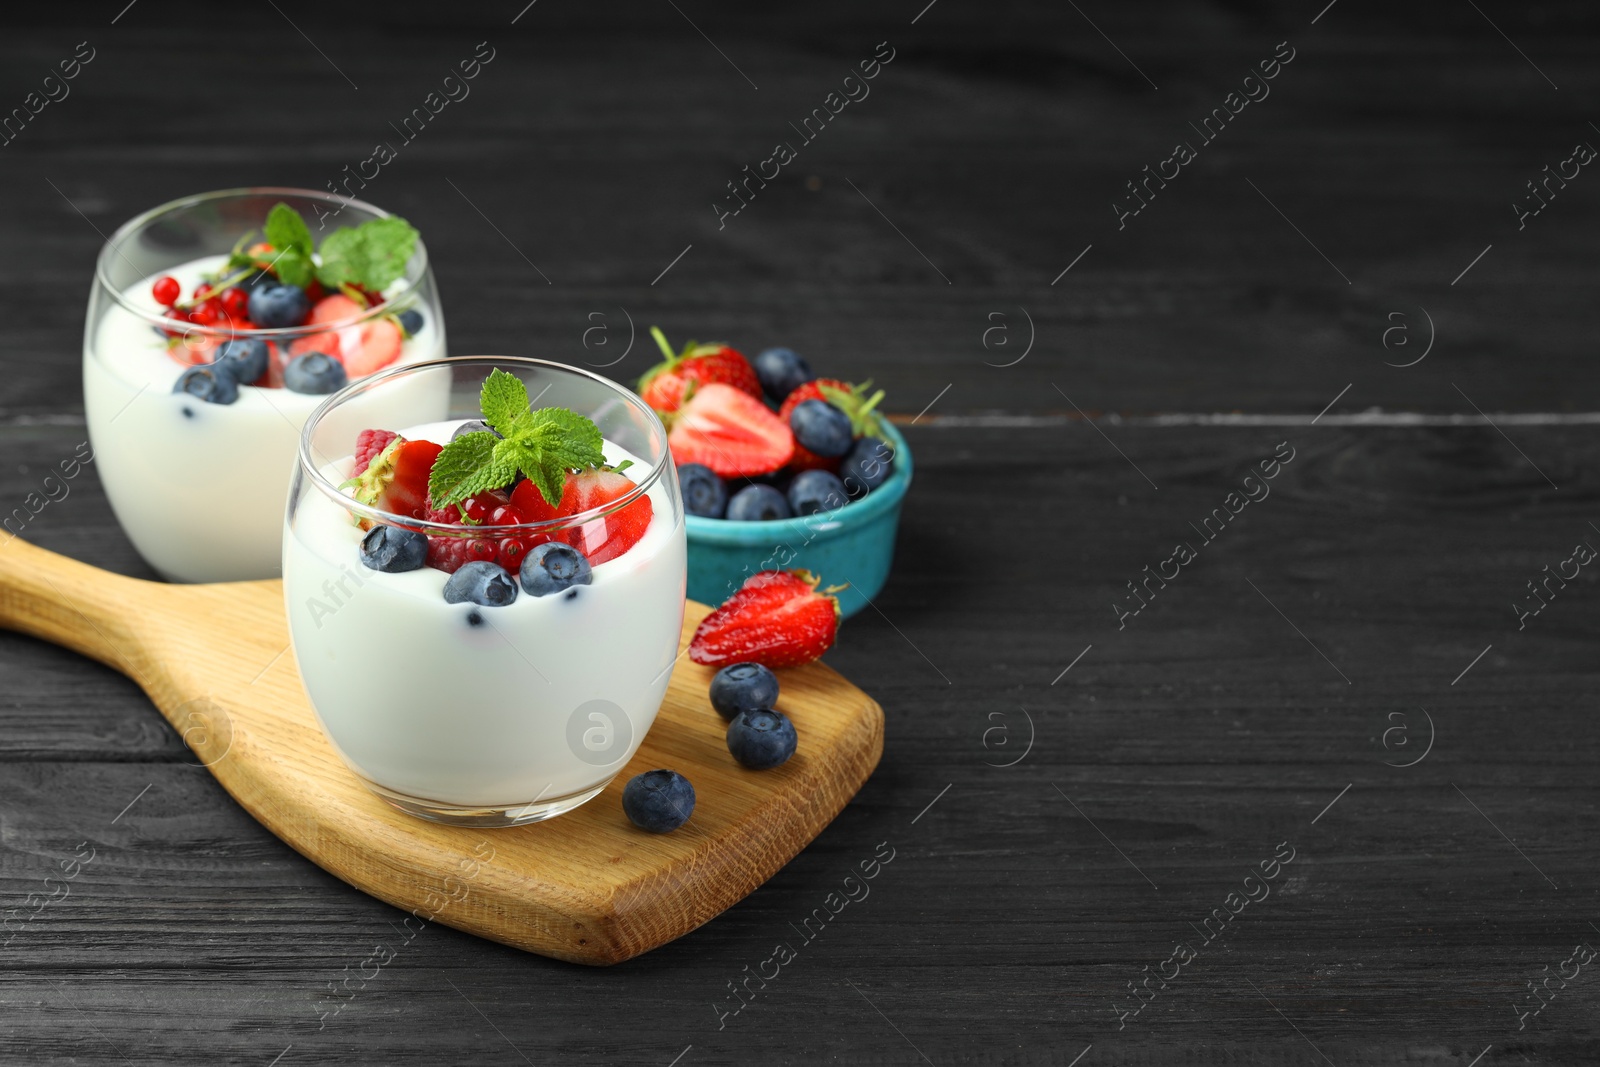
(362, 348)
(600, 539)
(777, 619)
(608, 537)
(850, 399)
(733, 433)
(396, 479)
(668, 385)
(368, 444)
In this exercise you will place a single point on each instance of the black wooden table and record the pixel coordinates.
(1315, 791)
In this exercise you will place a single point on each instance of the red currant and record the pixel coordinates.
(510, 554)
(478, 509)
(166, 290)
(481, 549)
(202, 290)
(206, 313)
(236, 301)
(507, 515)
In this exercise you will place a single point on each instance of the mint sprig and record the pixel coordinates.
(543, 444)
(371, 256)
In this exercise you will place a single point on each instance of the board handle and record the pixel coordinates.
(72, 604)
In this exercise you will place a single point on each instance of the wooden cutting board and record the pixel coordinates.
(586, 887)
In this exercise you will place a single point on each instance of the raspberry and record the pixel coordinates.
(368, 444)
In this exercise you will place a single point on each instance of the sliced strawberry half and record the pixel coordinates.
(600, 539)
(362, 347)
(733, 433)
(396, 479)
(667, 385)
(777, 619)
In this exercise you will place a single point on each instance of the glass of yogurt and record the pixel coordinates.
(498, 660)
(194, 410)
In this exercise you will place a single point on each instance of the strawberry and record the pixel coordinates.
(608, 537)
(362, 348)
(600, 539)
(733, 433)
(668, 385)
(368, 444)
(850, 399)
(777, 619)
(396, 479)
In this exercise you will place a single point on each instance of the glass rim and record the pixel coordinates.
(408, 286)
(309, 467)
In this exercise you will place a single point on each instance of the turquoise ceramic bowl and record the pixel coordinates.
(854, 544)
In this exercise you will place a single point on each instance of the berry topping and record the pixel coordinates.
(777, 618)
(166, 290)
(761, 739)
(278, 306)
(782, 371)
(552, 567)
(473, 426)
(363, 347)
(743, 687)
(314, 372)
(210, 382)
(391, 549)
(703, 492)
(247, 359)
(821, 428)
(668, 385)
(610, 536)
(396, 480)
(481, 582)
(850, 399)
(868, 466)
(758, 503)
(730, 432)
(658, 801)
(368, 444)
(410, 321)
(816, 490)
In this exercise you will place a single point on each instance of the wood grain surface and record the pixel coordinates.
(1168, 762)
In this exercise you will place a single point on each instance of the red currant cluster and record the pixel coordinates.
(492, 508)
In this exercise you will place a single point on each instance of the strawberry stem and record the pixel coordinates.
(661, 342)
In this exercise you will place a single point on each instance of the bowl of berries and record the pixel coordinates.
(780, 469)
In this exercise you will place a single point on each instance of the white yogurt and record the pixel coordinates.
(200, 488)
(542, 699)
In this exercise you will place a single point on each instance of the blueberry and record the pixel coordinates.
(314, 372)
(275, 306)
(554, 566)
(758, 503)
(761, 739)
(781, 371)
(247, 359)
(743, 687)
(814, 491)
(821, 428)
(391, 549)
(474, 426)
(212, 382)
(481, 582)
(868, 466)
(658, 801)
(703, 492)
(411, 321)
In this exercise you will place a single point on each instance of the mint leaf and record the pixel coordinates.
(504, 399)
(344, 259)
(372, 255)
(390, 243)
(287, 231)
(293, 267)
(467, 465)
(543, 444)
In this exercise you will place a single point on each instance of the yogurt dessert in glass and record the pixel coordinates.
(217, 324)
(486, 609)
